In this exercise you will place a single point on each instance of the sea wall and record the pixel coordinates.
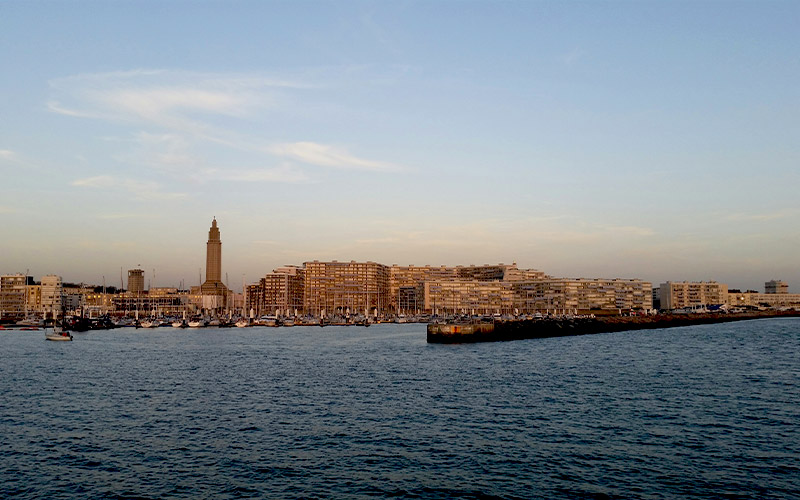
(456, 333)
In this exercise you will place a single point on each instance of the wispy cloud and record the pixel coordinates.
(6, 154)
(286, 174)
(572, 56)
(182, 113)
(327, 156)
(142, 190)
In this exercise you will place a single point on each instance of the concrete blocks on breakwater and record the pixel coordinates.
(463, 332)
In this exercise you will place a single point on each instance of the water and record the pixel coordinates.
(698, 412)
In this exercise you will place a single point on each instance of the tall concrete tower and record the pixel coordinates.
(214, 292)
(213, 254)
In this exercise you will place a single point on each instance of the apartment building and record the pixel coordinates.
(406, 294)
(14, 295)
(683, 294)
(338, 287)
(776, 287)
(406, 283)
(776, 295)
(462, 296)
(279, 292)
(161, 301)
(51, 295)
(582, 295)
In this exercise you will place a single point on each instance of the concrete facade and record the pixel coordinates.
(337, 287)
(135, 280)
(686, 294)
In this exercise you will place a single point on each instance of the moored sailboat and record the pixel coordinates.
(57, 333)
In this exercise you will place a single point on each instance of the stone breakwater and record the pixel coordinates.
(456, 333)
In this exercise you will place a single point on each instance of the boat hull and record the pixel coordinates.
(58, 338)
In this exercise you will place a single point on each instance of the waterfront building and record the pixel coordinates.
(159, 302)
(776, 296)
(253, 299)
(33, 299)
(406, 283)
(13, 295)
(51, 291)
(279, 292)
(563, 295)
(406, 294)
(135, 280)
(341, 287)
(775, 287)
(685, 294)
(73, 299)
(465, 296)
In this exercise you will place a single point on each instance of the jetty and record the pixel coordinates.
(504, 330)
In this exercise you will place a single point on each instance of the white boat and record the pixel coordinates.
(30, 321)
(242, 323)
(179, 324)
(267, 321)
(57, 334)
(196, 323)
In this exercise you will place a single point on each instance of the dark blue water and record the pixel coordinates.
(709, 411)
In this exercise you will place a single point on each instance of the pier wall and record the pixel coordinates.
(450, 333)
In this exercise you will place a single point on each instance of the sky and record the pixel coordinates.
(650, 140)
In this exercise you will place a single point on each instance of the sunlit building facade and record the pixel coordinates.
(342, 287)
(14, 295)
(51, 292)
(279, 293)
(689, 294)
(583, 296)
(462, 296)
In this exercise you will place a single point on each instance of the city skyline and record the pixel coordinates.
(650, 141)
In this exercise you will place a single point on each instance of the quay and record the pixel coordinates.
(500, 330)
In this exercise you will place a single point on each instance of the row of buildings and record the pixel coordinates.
(369, 288)
(319, 288)
(674, 295)
(372, 289)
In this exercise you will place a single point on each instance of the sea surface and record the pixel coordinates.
(701, 412)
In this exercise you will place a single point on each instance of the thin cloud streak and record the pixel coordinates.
(284, 174)
(177, 111)
(328, 156)
(143, 190)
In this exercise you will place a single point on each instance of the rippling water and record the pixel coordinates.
(708, 411)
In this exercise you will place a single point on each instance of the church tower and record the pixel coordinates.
(214, 292)
(213, 254)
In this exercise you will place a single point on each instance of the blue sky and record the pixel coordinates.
(652, 140)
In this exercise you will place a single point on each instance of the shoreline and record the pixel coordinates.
(499, 331)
